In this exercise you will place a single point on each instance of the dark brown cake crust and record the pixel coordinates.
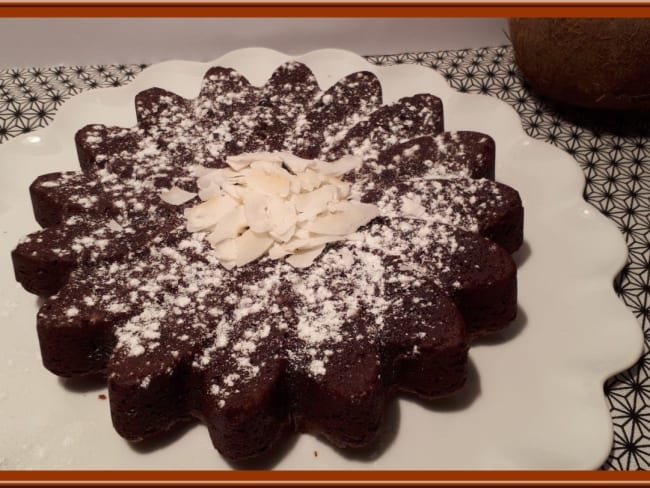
(264, 349)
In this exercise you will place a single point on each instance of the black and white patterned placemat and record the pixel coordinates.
(617, 168)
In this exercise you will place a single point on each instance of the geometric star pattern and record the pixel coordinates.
(29, 97)
(612, 151)
(617, 172)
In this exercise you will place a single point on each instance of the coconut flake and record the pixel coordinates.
(346, 218)
(208, 213)
(250, 246)
(305, 258)
(339, 167)
(242, 161)
(295, 164)
(255, 211)
(215, 177)
(314, 202)
(269, 183)
(282, 215)
(176, 196)
(229, 227)
(309, 242)
(309, 180)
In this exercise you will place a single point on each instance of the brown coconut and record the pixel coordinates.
(594, 63)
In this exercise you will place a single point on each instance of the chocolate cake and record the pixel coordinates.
(272, 259)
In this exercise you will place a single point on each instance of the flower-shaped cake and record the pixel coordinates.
(264, 348)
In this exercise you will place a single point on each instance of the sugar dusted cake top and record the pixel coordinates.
(182, 325)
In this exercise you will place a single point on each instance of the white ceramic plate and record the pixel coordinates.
(535, 396)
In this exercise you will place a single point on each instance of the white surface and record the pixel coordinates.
(534, 399)
(49, 42)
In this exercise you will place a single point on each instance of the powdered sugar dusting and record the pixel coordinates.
(171, 300)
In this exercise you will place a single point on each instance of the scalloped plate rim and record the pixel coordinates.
(563, 162)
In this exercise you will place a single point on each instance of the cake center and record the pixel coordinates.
(274, 204)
